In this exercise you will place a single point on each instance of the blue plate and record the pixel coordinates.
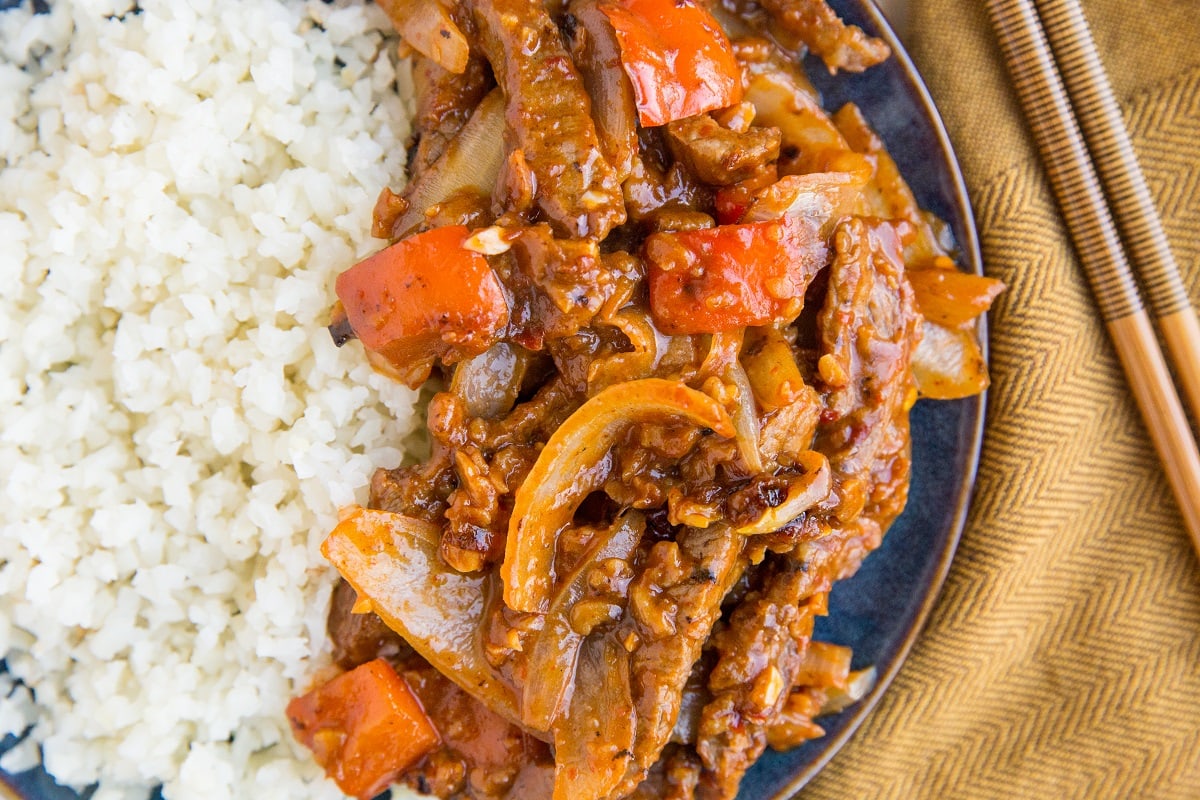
(881, 610)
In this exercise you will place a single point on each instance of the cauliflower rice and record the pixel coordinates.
(180, 181)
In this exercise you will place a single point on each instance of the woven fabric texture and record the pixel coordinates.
(1063, 657)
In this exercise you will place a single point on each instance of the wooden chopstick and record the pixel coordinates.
(1094, 235)
(1137, 218)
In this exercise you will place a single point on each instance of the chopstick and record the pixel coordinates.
(1137, 219)
(1094, 235)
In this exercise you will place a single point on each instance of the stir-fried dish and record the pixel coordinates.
(676, 315)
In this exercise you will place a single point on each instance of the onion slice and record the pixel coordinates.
(825, 666)
(804, 492)
(593, 747)
(786, 101)
(471, 162)
(574, 463)
(429, 28)
(771, 368)
(555, 652)
(948, 364)
(745, 418)
(490, 382)
(823, 197)
(638, 362)
(392, 560)
(598, 56)
(858, 685)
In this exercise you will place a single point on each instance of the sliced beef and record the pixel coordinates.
(481, 755)
(674, 777)
(720, 156)
(359, 638)
(549, 118)
(869, 328)
(818, 27)
(681, 613)
(561, 284)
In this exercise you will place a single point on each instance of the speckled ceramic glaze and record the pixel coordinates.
(880, 611)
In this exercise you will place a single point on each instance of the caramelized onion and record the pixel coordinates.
(598, 57)
(593, 747)
(771, 369)
(556, 650)
(822, 197)
(471, 163)
(745, 418)
(948, 364)
(574, 463)
(392, 561)
(889, 195)
(804, 492)
(786, 101)
(428, 27)
(825, 666)
(858, 684)
(638, 362)
(490, 382)
(723, 349)
(951, 298)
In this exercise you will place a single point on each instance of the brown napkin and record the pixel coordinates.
(1063, 658)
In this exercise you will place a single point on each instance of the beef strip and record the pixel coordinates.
(763, 642)
(815, 25)
(629, 685)
(870, 327)
(420, 490)
(549, 118)
(674, 777)
(789, 430)
(720, 156)
(657, 184)
(478, 514)
(559, 285)
(709, 563)
(531, 422)
(359, 638)
(593, 744)
(423, 490)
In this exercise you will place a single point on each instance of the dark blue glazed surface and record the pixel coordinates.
(878, 612)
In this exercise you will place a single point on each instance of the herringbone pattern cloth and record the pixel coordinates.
(1063, 658)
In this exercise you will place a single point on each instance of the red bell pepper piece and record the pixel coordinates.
(365, 727)
(424, 298)
(677, 57)
(731, 276)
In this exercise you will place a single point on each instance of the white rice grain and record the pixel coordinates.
(179, 184)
